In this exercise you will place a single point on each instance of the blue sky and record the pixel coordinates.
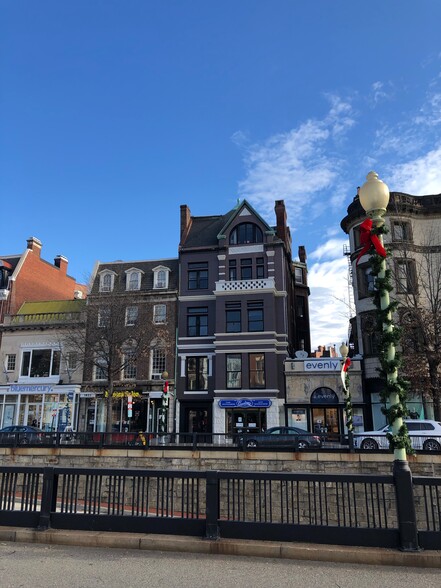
(113, 113)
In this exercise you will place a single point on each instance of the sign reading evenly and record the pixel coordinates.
(321, 365)
(245, 403)
(324, 396)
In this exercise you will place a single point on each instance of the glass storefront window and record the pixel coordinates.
(245, 420)
(49, 421)
(298, 417)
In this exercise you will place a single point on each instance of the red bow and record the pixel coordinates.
(367, 239)
(344, 369)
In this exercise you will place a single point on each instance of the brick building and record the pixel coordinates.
(26, 277)
(132, 308)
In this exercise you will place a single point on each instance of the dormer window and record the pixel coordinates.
(133, 279)
(246, 233)
(107, 281)
(160, 277)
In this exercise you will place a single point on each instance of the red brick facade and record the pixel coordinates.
(36, 279)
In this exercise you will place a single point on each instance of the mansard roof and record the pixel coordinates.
(144, 266)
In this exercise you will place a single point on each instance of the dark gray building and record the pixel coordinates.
(243, 309)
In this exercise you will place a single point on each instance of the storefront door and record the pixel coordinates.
(196, 417)
(30, 411)
(326, 422)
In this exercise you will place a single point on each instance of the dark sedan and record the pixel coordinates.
(21, 435)
(290, 438)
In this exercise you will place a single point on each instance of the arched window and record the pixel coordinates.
(106, 281)
(246, 233)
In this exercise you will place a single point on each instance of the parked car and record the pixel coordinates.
(291, 438)
(22, 434)
(424, 434)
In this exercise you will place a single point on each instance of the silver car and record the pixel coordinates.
(424, 434)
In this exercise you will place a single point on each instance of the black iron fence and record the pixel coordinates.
(385, 511)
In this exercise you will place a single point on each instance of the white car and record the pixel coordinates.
(424, 434)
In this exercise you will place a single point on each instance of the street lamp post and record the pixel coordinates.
(374, 198)
(346, 362)
(164, 405)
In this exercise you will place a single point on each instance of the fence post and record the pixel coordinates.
(351, 441)
(212, 506)
(407, 524)
(48, 498)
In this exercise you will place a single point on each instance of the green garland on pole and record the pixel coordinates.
(390, 359)
(348, 406)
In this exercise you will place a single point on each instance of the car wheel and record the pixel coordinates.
(303, 445)
(431, 445)
(369, 444)
(251, 443)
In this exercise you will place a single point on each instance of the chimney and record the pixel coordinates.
(302, 254)
(282, 229)
(61, 262)
(34, 245)
(280, 219)
(185, 222)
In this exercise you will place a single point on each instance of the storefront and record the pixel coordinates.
(46, 406)
(245, 415)
(142, 416)
(315, 396)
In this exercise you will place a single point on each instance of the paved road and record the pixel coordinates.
(39, 566)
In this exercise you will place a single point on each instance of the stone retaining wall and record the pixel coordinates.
(331, 463)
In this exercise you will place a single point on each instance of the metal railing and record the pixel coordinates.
(198, 441)
(386, 511)
(147, 440)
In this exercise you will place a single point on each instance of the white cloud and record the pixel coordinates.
(381, 91)
(328, 302)
(295, 166)
(330, 249)
(418, 176)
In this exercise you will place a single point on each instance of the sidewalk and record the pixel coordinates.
(272, 549)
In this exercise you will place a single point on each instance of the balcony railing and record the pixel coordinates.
(44, 318)
(237, 285)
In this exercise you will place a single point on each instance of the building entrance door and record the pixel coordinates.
(326, 422)
(30, 414)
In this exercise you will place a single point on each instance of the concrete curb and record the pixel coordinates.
(184, 544)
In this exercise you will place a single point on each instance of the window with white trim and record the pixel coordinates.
(159, 314)
(103, 317)
(131, 316)
(100, 369)
(157, 363)
(129, 370)
(160, 278)
(133, 281)
(234, 370)
(72, 360)
(11, 362)
(107, 280)
(197, 373)
(40, 363)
